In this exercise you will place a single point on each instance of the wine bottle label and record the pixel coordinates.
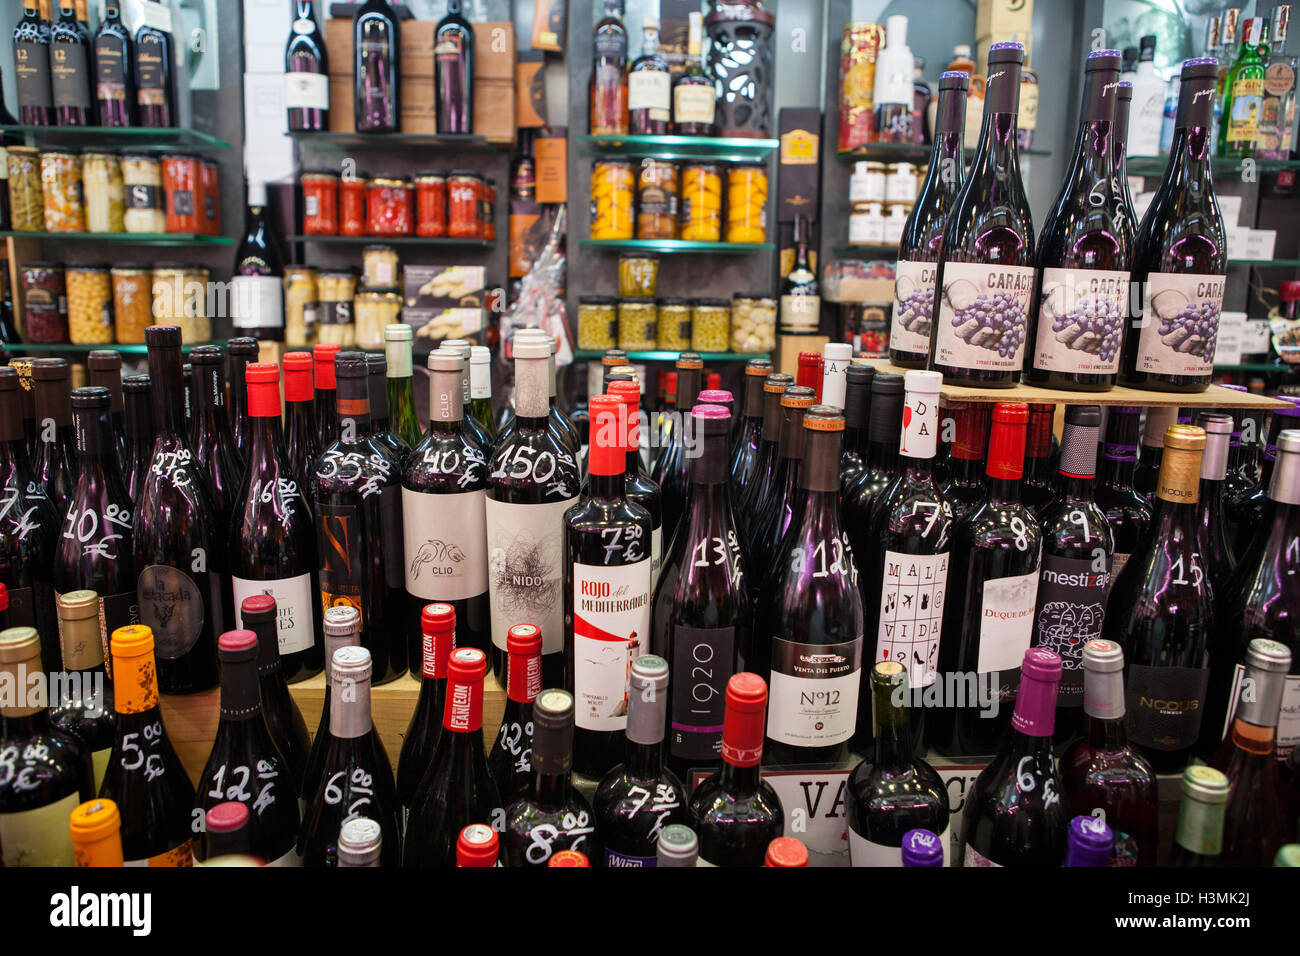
(694, 103)
(1081, 315)
(32, 69)
(1288, 718)
(99, 761)
(863, 852)
(257, 302)
(800, 313)
(611, 629)
(444, 540)
(911, 613)
(650, 90)
(1180, 324)
(1164, 705)
(1027, 118)
(1006, 622)
(182, 855)
(526, 569)
(702, 664)
(171, 605)
(1117, 562)
(656, 556)
(70, 75)
(295, 624)
(973, 857)
(613, 858)
(37, 837)
(150, 70)
(110, 74)
(1070, 610)
(1247, 105)
(813, 698)
(306, 91)
(909, 328)
(342, 566)
(983, 312)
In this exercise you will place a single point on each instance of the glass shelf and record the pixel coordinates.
(68, 347)
(868, 250)
(436, 241)
(143, 139)
(127, 238)
(674, 246)
(910, 152)
(735, 149)
(669, 356)
(1155, 165)
(1265, 263)
(1254, 367)
(450, 142)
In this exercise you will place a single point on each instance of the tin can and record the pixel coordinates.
(859, 46)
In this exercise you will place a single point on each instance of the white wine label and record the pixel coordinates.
(1006, 621)
(801, 312)
(650, 90)
(1288, 718)
(973, 857)
(444, 540)
(257, 302)
(1180, 324)
(983, 312)
(308, 91)
(694, 103)
(909, 328)
(911, 613)
(1070, 610)
(862, 852)
(1081, 314)
(38, 837)
(171, 605)
(526, 569)
(611, 629)
(100, 761)
(293, 608)
(814, 692)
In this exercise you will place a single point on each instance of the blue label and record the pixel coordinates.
(621, 859)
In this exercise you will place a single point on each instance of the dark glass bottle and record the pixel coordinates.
(105, 371)
(964, 485)
(403, 419)
(342, 628)
(1089, 842)
(70, 69)
(243, 351)
(857, 417)
(1211, 523)
(114, 69)
(380, 422)
(326, 394)
(1124, 213)
(1248, 508)
(32, 67)
(477, 845)
(755, 494)
(1147, 471)
(261, 615)
(214, 440)
(1040, 470)
(138, 414)
(361, 843)
(678, 846)
(922, 848)
(881, 459)
(306, 73)
(649, 86)
(472, 424)
(376, 50)
(669, 469)
(55, 463)
(1127, 511)
(607, 90)
(438, 630)
(785, 502)
(639, 487)
(85, 704)
(257, 282)
(801, 299)
(301, 437)
(227, 838)
(510, 759)
(453, 65)
(694, 97)
(155, 77)
(1198, 840)
(745, 449)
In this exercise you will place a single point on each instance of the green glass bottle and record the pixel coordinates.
(403, 421)
(1243, 93)
(1198, 841)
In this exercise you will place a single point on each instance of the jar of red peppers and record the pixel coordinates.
(210, 176)
(431, 204)
(390, 207)
(464, 191)
(320, 204)
(352, 206)
(182, 179)
(45, 302)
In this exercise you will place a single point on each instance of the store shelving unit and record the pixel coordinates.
(1155, 165)
(65, 348)
(909, 153)
(675, 246)
(723, 149)
(126, 238)
(662, 355)
(136, 139)
(449, 142)
(434, 242)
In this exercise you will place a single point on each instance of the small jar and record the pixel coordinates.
(747, 203)
(182, 180)
(335, 290)
(177, 302)
(61, 184)
(320, 204)
(132, 304)
(487, 211)
(196, 304)
(390, 207)
(101, 179)
(638, 321)
(638, 275)
(858, 183)
(26, 195)
(613, 185)
(211, 179)
(142, 180)
(90, 305)
(45, 302)
(352, 206)
(873, 185)
(431, 204)
(597, 323)
(299, 306)
(701, 213)
(867, 224)
(656, 194)
(372, 310)
(753, 323)
(901, 184)
(674, 325)
(379, 266)
(711, 325)
(896, 221)
(463, 193)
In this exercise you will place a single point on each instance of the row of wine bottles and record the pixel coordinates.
(1100, 297)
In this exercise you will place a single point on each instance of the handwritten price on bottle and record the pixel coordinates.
(574, 825)
(361, 788)
(726, 554)
(134, 756)
(83, 527)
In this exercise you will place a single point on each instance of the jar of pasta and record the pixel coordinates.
(431, 204)
(464, 193)
(379, 266)
(61, 184)
(612, 188)
(638, 275)
(26, 197)
(90, 305)
(597, 322)
(335, 290)
(45, 303)
(320, 204)
(352, 206)
(674, 325)
(753, 323)
(656, 216)
(142, 180)
(132, 303)
(182, 178)
(299, 306)
(373, 309)
(747, 203)
(101, 179)
(711, 325)
(390, 207)
(638, 321)
(701, 216)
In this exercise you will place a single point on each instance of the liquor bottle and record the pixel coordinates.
(1084, 253)
(678, 846)
(84, 707)
(404, 423)
(639, 487)
(813, 611)
(105, 371)
(144, 776)
(480, 391)
(214, 441)
(669, 468)
(1248, 508)
(56, 444)
(1148, 102)
(342, 627)
(985, 275)
(380, 421)
(242, 351)
(857, 418)
(964, 484)
(1198, 841)
(96, 831)
(510, 760)
(1211, 525)
(1254, 819)
(1277, 111)
(1089, 842)
(801, 299)
(1243, 94)
(1076, 570)
(1040, 470)
(607, 92)
(649, 86)
(637, 799)
(306, 73)
(745, 450)
(244, 764)
(883, 431)
(1124, 214)
(1128, 512)
(438, 630)
(325, 385)
(48, 771)
(114, 58)
(892, 99)
(988, 617)
(444, 497)
(477, 846)
(694, 99)
(893, 792)
(533, 482)
(179, 551)
(1147, 471)
(301, 437)
(784, 500)
(356, 778)
(260, 614)
(70, 69)
(155, 77)
(32, 67)
(1164, 614)
(376, 47)
(1014, 814)
(1180, 257)
(361, 842)
(453, 65)
(734, 811)
(257, 285)
(702, 609)
(138, 414)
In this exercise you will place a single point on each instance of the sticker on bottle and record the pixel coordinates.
(701, 665)
(257, 302)
(611, 629)
(171, 605)
(525, 545)
(983, 314)
(295, 625)
(444, 538)
(909, 328)
(39, 837)
(911, 613)
(863, 852)
(338, 530)
(1070, 610)
(1288, 718)
(613, 858)
(182, 855)
(1006, 621)
(813, 693)
(1081, 315)
(1180, 324)
(1164, 705)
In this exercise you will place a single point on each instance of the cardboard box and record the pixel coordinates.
(548, 25)
(494, 50)
(415, 40)
(800, 166)
(1001, 18)
(268, 151)
(343, 104)
(551, 153)
(443, 302)
(494, 110)
(338, 46)
(418, 105)
(263, 48)
(530, 91)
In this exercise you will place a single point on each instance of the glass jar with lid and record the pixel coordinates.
(597, 322)
(711, 325)
(299, 306)
(753, 323)
(638, 275)
(379, 266)
(101, 180)
(132, 303)
(90, 305)
(390, 207)
(674, 325)
(638, 321)
(373, 309)
(26, 196)
(613, 185)
(320, 204)
(45, 302)
(656, 215)
(335, 291)
(61, 185)
(142, 182)
(747, 202)
(701, 209)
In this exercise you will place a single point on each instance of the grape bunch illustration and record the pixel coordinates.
(916, 310)
(994, 321)
(1194, 330)
(1094, 325)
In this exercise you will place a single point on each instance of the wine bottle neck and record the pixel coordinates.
(688, 389)
(350, 708)
(551, 790)
(96, 448)
(1007, 491)
(353, 409)
(739, 780)
(820, 473)
(893, 726)
(644, 761)
(167, 389)
(523, 678)
(608, 487)
(1200, 826)
(240, 690)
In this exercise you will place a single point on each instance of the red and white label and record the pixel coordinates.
(611, 629)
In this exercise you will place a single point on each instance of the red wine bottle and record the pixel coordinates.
(989, 611)
(1014, 814)
(922, 848)
(55, 463)
(376, 51)
(1089, 842)
(785, 503)
(155, 76)
(301, 435)
(114, 69)
(306, 73)
(326, 394)
(640, 487)
(881, 460)
(243, 352)
(472, 426)
(1180, 254)
(1248, 509)
(380, 423)
(105, 368)
(32, 67)
(1128, 512)
(1125, 214)
(1211, 520)
(1101, 775)
(985, 278)
(477, 846)
(70, 69)
(857, 416)
(963, 485)
(786, 851)
(214, 441)
(261, 615)
(227, 838)
(678, 846)
(640, 796)
(453, 63)
(918, 249)
(755, 494)
(138, 412)
(244, 764)
(400, 384)
(438, 630)
(1147, 472)
(1198, 840)
(669, 469)
(84, 704)
(342, 628)
(1040, 470)
(356, 779)
(510, 760)
(734, 811)
(1084, 252)
(361, 842)
(745, 450)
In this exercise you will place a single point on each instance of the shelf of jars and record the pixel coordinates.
(667, 355)
(439, 242)
(134, 139)
(1155, 165)
(914, 153)
(449, 142)
(729, 149)
(675, 246)
(125, 238)
(1264, 263)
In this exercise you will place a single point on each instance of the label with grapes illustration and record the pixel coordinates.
(1180, 324)
(909, 329)
(982, 316)
(1081, 316)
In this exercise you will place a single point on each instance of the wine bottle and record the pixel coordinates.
(1198, 841)
(380, 422)
(1240, 480)
(306, 73)
(480, 391)
(257, 283)
(1101, 775)
(989, 614)
(326, 387)
(607, 89)
(857, 416)
(1248, 509)
(892, 792)
(477, 846)
(114, 57)
(755, 493)
(786, 852)
(745, 450)
(1147, 471)
(638, 798)
(735, 812)
(918, 249)
(144, 776)
(1040, 470)
(260, 614)
(1014, 814)
(376, 51)
(1128, 512)
(1180, 255)
(105, 368)
(358, 516)
(801, 300)
(785, 502)
(678, 846)
(155, 76)
(1211, 524)
(356, 778)
(1089, 842)
(48, 771)
(694, 98)
(883, 430)
(227, 838)
(1076, 573)
(702, 615)
(1125, 214)
(1164, 614)
(56, 444)
(669, 469)
(32, 67)
(510, 760)
(342, 628)
(639, 487)
(964, 485)
(985, 277)
(462, 348)
(361, 842)
(649, 86)
(84, 707)
(242, 352)
(301, 437)
(438, 630)
(245, 765)
(96, 831)
(453, 79)
(214, 442)
(922, 848)
(182, 595)
(138, 412)
(70, 69)
(533, 482)
(404, 423)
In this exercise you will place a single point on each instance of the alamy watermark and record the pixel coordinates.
(23, 688)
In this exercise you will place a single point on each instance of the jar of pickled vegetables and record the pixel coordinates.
(45, 303)
(464, 193)
(90, 305)
(142, 180)
(711, 325)
(335, 291)
(299, 306)
(373, 309)
(379, 266)
(753, 323)
(612, 188)
(390, 207)
(656, 216)
(101, 181)
(26, 197)
(132, 303)
(638, 321)
(431, 204)
(61, 183)
(597, 322)
(182, 178)
(352, 206)
(747, 203)
(675, 325)
(320, 204)
(638, 275)
(179, 298)
(701, 216)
